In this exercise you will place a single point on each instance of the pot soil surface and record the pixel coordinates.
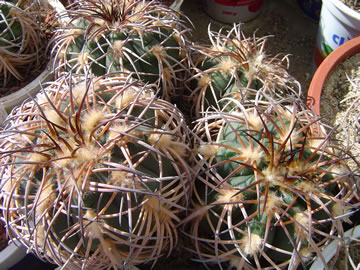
(354, 4)
(340, 106)
(3, 237)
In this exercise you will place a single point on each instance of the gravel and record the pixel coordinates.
(354, 4)
(340, 105)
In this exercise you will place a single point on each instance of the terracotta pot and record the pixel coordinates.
(329, 64)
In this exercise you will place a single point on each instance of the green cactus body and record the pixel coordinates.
(270, 189)
(94, 173)
(142, 37)
(223, 81)
(236, 67)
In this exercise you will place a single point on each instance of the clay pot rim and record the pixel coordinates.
(329, 64)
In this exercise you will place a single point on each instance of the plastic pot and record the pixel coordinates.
(15, 257)
(176, 5)
(233, 11)
(11, 255)
(311, 8)
(338, 24)
(329, 64)
(330, 250)
(30, 90)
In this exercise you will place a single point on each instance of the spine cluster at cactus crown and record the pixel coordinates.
(146, 38)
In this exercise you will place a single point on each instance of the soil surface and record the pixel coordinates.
(291, 32)
(3, 237)
(340, 106)
(354, 4)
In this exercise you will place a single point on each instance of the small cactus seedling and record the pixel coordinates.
(93, 173)
(233, 65)
(143, 37)
(22, 43)
(270, 190)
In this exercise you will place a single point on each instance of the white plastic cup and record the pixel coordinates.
(233, 11)
(338, 24)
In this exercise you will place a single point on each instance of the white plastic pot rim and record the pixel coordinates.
(11, 255)
(330, 250)
(58, 7)
(345, 9)
(3, 114)
(176, 5)
(29, 90)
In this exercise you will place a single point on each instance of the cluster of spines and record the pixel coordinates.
(100, 171)
(142, 37)
(233, 219)
(22, 42)
(271, 188)
(237, 67)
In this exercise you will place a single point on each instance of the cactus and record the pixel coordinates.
(232, 65)
(93, 173)
(271, 190)
(22, 43)
(146, 38)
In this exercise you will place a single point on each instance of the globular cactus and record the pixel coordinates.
(143, 37)
(94, 173)
(271, 190)
(22, 43)
(232, 65)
